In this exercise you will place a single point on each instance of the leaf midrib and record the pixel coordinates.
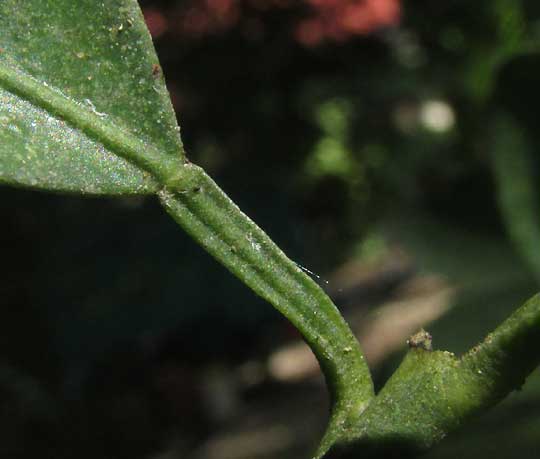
(167, 168)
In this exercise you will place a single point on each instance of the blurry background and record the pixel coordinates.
(387, 146)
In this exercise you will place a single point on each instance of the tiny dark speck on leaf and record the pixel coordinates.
(156, 71)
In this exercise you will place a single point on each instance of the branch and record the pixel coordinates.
(434, 392)
(507, 356)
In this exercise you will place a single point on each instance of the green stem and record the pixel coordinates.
(216, 223)
(507, 356)
(433, 392)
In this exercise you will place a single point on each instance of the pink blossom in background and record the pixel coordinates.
(339, 20)
(319, 21)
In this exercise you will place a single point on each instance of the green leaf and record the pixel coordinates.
(82, 97)
(517, 195)
(83, 111)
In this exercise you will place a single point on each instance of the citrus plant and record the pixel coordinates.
(84, 109)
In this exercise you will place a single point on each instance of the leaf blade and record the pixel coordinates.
(107, 62)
